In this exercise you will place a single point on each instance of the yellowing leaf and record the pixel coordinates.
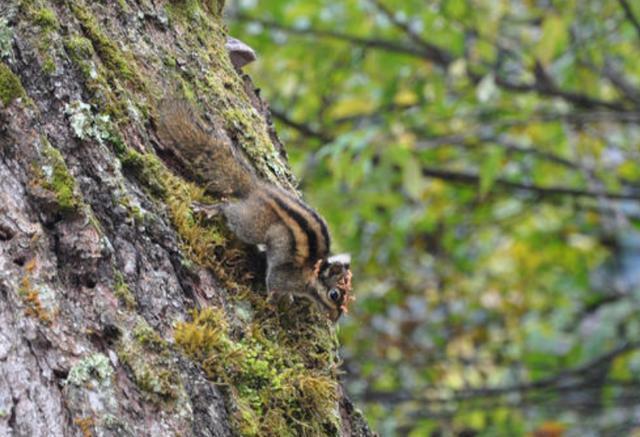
(553, 40)
(356, 105)
(405, 97)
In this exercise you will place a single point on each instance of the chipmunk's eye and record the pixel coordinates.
(334, 295)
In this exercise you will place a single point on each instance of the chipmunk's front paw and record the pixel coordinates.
(209, 211)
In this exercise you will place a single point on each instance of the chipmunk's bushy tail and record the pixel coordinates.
(207, 154)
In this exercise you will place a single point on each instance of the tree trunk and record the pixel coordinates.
(101, 258)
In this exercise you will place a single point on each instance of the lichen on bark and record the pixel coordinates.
(109, 282)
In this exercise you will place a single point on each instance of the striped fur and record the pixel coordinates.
(310, 234)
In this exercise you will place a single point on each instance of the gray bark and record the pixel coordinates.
(89, 258)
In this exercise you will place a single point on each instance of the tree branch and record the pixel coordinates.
(473, 179)
(304, 129)
(568, 379)
(628, 12)
(549, 90)
(476, 139)
(433, 52)
(377, 43)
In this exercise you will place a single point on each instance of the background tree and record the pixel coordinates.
(102, 260)
(480, 159)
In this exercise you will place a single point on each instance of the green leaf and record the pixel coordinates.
(553, 41)
(490, 169)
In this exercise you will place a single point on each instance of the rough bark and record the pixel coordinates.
(95, 265)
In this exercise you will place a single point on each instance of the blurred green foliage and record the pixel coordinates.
(480, 161)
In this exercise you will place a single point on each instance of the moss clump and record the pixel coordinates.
(10, 85)
(46, 18)
(280, 383)
(61, 182)
(189, 9)
(122, 291)
(79, 48)
(147, 168)
(169, 61)
(114, 60)
(49, 65)
(105, 47)
(200, 241)
(151, 364)
(104, 95)
(149, 338)
(183, 9)
(45, 23)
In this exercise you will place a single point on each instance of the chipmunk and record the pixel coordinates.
(296, 238)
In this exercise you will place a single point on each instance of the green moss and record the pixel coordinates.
(81, 53)
(187, 91)
(124, 6)
(61, 182)
(10, 85)
(199, 240)
(215, 6)
(134, 210)
(46, 18)
(149, 338)
(182, 10)
(147, 168)
(189, 9)
(79, 48)
(94, 367)
(151, 364)
(122, 291)
(169, 61)
(280, 383)
(45, 23)
(114, 60)
(49, 65)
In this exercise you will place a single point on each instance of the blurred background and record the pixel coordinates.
(480, 160)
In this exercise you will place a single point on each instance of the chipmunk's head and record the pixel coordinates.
(331, 287)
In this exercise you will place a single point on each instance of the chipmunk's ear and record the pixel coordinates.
(341, 258)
